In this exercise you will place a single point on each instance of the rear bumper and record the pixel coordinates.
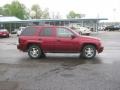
(4, 35)
(100, 49)
(21, 48)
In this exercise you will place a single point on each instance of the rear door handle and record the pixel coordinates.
(39, 39)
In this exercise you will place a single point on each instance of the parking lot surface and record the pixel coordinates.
(61, 71)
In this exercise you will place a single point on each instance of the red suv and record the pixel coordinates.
(38, 40)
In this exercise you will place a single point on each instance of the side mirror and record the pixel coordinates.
(73, 36)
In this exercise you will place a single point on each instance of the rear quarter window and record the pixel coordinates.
(29, 31)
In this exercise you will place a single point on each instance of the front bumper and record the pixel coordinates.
(21, 48)
(100, 49)
(18, 47)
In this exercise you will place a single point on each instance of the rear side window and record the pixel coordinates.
(29, 31)
(47, 31)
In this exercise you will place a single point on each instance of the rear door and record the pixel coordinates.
(47, 38)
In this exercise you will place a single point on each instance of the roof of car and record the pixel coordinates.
(45, 26)
(2, 30)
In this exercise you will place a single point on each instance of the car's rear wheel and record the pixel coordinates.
(7, 36)
(88, 52)
(34, 51)
(88, 34)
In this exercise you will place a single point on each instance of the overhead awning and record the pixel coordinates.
(13, 19)
(9, 19)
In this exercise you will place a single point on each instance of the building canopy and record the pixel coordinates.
(13, 19)
(9, 19)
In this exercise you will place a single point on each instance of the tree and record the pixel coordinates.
(37, 12)
(7, 10)
(78, 16)
(1, 11)
(15, 9)
(72, 14)
(45, 14)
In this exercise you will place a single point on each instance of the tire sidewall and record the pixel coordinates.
(80, 33)
(39, 51)
(83, 52)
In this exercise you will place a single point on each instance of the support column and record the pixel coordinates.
(15, 26)
(82, 23)
(10, 27)
(97, 26)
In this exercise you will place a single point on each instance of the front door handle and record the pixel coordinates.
(58, 40)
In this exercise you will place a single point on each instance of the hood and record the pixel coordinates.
(90, 38)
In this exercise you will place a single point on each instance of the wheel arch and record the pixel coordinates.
(30, 44)
(85, 44)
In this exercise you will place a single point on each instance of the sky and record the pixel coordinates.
(91, 8)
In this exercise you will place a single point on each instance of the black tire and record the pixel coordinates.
(88, 34)
(43, 55)
(34, 52)
(80, 33)
(88, 52)
(7, 36)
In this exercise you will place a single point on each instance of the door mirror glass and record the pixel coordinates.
(73, 36)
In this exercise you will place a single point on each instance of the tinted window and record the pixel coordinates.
(29, 31)
(63, 32)
(46, 32)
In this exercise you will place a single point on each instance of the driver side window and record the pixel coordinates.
(63, 32)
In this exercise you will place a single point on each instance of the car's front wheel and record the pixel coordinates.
(34, 51)
(88, 52)
(80, 33)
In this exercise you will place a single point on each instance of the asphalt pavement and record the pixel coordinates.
(61, 71)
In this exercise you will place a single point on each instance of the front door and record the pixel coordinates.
(64, 41)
